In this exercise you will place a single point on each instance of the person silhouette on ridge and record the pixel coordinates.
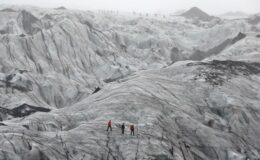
(109, 125)
(132, 129)
(123, 128)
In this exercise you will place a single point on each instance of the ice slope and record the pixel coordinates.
(52, 60)
(217, 117)
(245, 50)
(83, 49)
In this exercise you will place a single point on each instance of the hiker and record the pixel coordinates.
(123, 128)
(132, 129)
(109, 125)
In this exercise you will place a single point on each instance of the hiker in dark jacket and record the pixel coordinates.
(123, 128)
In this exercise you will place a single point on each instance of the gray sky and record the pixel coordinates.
(164, 6)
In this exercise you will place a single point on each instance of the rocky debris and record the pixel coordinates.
(218, 72)
(22, 111)
(96, 90)
(22, 35)
(197, 13)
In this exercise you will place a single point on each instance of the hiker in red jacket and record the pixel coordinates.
(109, 125)
(132, 129)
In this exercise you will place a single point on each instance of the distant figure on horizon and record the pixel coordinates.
(132, 129)
(123, 128)
(109, 125)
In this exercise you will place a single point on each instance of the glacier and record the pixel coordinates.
(189, 84)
